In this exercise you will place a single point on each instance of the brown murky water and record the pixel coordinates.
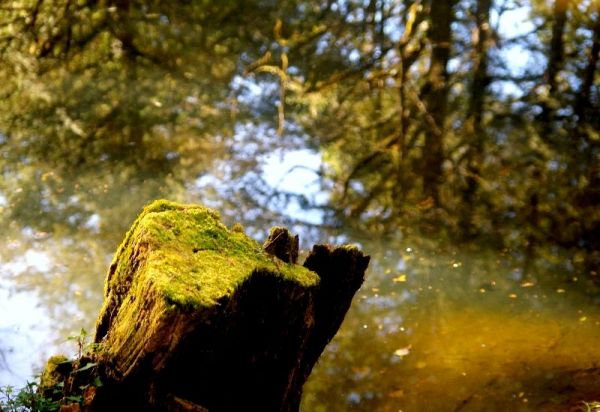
(451, 338)
(503, 360)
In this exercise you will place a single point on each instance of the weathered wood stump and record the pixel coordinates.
(198, 317)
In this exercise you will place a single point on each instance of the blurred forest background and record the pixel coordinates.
(444, 132)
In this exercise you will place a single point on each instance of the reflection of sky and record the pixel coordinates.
(512, 24)
(24, 325)
(24, 331)
(296, 172)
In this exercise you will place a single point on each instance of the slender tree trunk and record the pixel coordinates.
(583, 97)
(411, 17)
(555, 63)
(475, 132)
(547, 120)
(531, 238)
(556, 55)
(588, 153)
(587, 120)
(435, 95)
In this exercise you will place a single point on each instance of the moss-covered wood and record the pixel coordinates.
(200, 317)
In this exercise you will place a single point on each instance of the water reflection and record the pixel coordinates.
(24, 327)
(58, 233)
(462, 332)
(434, 328)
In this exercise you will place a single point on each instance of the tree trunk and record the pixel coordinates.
(475, 132)
(555, 63)
(198, 317)
(556, 53)
(435, 95)
(582, 101)
(588, 151)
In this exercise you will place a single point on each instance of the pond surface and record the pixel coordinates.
(454, 337)
(433, 328)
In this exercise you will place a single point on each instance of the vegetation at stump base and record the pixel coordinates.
(64, 384)
(54, 372)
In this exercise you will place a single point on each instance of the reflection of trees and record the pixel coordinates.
(106, 105)
(118, 84)
(431, 131)
(75, 225)
(145, 91)
(451, 301)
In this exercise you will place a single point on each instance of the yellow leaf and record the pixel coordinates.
(396, 394)
(426, 203)
(402, 352)
(277, 28)
(400, 278)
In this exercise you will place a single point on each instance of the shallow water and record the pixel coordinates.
(475, 360)
(452, 338)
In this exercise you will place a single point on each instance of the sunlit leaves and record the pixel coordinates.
(400, 278)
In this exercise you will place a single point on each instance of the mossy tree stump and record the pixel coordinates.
(198, 317)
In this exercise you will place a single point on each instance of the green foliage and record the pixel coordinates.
(26, 399)
(81, 340)
(411, 142)
(48, 392)
(104, 100)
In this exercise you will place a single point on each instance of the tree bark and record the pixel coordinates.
(555, 63)
(475, 132)
(582, 101)
(557, 48)
(588, 150)
(435, 95)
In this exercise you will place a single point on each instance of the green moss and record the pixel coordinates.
(350, 248)
(238, 227)
(191, 258)
(52, 375)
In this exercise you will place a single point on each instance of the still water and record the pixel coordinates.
(452, 333)
(433, 328)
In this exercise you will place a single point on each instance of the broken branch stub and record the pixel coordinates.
(282, 245)
(198, 317)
